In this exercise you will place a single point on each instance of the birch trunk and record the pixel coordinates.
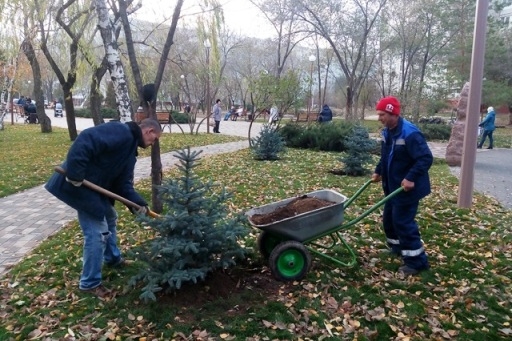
(3, 107)
(115, 66)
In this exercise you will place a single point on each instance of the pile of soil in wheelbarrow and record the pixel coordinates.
(297, 206)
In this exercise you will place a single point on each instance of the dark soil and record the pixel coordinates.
(224, 284)
(297, 206)
(230, 292)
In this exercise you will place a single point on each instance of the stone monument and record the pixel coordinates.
(456, 143)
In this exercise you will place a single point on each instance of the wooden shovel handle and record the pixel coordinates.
(109, 194)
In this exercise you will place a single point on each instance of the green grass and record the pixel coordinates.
(502, 137)
(29, 156)
(465, 296)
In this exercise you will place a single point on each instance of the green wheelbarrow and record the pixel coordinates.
(287, 244)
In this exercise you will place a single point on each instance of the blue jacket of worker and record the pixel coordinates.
(405, 155)
(104, 155)
(488, 121)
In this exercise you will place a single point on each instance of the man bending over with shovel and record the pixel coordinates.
(104, 155)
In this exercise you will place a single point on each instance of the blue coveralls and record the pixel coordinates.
(404, 155)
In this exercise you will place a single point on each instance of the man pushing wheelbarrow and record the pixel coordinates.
(405, 162)
(403, 169)
(102, 157)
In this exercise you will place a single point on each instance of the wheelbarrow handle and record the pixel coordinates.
(374, 207)
(110, 194)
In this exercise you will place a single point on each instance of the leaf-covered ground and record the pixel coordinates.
(465, 296)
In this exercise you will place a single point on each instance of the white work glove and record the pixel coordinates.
(73, 182)
(143, 210)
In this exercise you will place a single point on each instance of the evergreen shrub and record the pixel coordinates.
(268, 144)
(359, 151)
(434, 132)
(181, 117)
(196, 235)
(326, 136)
(291, 133)
(105, 113)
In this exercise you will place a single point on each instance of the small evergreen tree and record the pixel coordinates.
(193, 238)
(268, 144)
(359, 146)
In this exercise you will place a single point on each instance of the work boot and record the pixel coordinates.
(390, 252)
(406, 270)
(121, 263)
(100, 291)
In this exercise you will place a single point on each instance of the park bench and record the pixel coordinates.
(163, 117)
(305, 117)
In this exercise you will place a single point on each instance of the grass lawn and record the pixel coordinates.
(29, 157)
(467, 295)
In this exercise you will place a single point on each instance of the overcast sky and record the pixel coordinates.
(241, 16)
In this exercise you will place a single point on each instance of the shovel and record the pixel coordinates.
(110, 194)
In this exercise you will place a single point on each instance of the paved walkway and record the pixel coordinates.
(29, 217)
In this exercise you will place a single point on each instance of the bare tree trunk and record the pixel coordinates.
(95, 93)
(156, 163)
(44, 121)
(350, 97)
(69, 107)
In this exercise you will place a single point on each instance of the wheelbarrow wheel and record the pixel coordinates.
(267, 242)
(289, 261)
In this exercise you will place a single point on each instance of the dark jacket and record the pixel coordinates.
(405, 155)
(30, 108)
(325, 114)
(105, 155)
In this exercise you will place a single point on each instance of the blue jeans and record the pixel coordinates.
(100, 239)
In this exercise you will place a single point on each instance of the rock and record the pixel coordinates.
(456, 142)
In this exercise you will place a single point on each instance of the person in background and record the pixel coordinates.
(21, 104)
(217, 115)
(232, 114)
(57, 110)
(106, 156)
(229, 114)
(404, 162)
(325, 114)
(274, 115)
(30, 112)
(488, 126)
(187, 108)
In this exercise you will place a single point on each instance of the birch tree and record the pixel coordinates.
(9, 61)
(114, 63)
(8, 78)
